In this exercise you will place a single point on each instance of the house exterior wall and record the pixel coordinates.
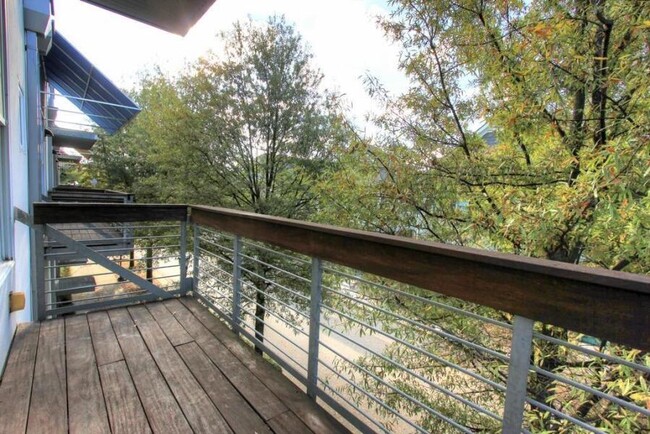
(15, 275)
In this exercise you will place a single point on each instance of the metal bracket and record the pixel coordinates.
(22, 217)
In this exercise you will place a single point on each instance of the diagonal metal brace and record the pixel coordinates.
(102, 260)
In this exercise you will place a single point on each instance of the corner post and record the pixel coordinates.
(182, 260)
(314, 326)
(236, 284)
(39, 296)
(195, 256)
(522, 339)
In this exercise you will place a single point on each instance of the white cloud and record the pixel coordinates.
(342, 35)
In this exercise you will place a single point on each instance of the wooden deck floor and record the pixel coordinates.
(163, 367)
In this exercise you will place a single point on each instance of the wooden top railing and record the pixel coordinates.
(607, 304)
(64, 212)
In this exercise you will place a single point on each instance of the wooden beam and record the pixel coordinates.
(54, 212)
(607, 304)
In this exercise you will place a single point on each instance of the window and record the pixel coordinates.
(6, 227)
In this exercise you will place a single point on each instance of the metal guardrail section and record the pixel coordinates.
(398, 335)
(102, 255)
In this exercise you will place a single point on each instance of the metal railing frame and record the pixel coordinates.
(238, 225)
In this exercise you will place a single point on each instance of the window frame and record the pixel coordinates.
(6, 221)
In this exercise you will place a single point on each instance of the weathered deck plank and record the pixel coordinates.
(197, 406)
(296, 400)
(252, 389)
(160, 406)
(16, 386)
(288, 423)
(238, 413)
(47, 414)
(125, 411)
(165, 368)
(87, 410)
(169, 324)
(107, 349)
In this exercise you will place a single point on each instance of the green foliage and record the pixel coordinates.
(564, 85)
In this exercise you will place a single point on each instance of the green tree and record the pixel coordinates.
(565, 86)
(249, 128)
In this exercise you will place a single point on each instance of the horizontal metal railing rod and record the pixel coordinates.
(131, 226)
(80, 302)
(271, 312)
(436, 331)
(323, 393)
(269, 351)
(85, 264)
(213, 268)
(304, 297)
(79, 288)
(404, 395)
(612, 359)
(283, 271)
(212, 279)
(608, 304)
(214, 289)
(613, 399)
(564, 416)
(371, 396)
(104, 304)
(217, 245)
(81, 276)
(275, 252)
(421, 378)
(215, 255)
(422, 299)
(498, 387)
(270, 342)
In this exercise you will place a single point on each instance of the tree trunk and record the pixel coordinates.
(260, 314)
(149, 264)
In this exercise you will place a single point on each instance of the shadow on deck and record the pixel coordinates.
(163, 367)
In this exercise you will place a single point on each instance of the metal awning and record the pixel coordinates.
(170, 15)
(64, 137)
(86, 87)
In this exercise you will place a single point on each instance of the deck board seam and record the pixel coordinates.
(128, 369)
(227, 377)
(162, 374)
(99, 374)
(31, 386)
(224, 344)
(186, 303)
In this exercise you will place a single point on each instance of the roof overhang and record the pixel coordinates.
(72, 74)
(173, 16)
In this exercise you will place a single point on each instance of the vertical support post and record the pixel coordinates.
(182, 260)
(522, 339)
(314, 326)
(236, 284)
(195, 257)
(38, 298)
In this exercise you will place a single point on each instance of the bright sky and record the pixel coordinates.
(342, 35)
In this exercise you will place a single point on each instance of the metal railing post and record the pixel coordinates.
(195, 256)
(314, 326)
(39, 273)
(182, 262)
(522, 339)
(236, 284)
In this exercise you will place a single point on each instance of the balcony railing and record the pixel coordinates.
(394, 334)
